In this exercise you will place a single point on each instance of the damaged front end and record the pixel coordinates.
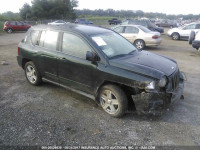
(156, 99)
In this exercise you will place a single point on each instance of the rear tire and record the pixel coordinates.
(191, 37)
(113, 100)
(9, 30)
(175, 36)
(32, 74)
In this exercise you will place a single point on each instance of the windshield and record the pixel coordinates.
(113, 45)
(144, 29)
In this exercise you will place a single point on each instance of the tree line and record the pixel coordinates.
(44, 9)
(133, 14)
(65, 9)
(49, 9)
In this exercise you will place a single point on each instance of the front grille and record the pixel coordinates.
(175, 80)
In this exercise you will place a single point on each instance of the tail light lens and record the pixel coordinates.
(154, 37)
(18, 49)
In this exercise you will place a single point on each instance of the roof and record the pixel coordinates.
(84, 29)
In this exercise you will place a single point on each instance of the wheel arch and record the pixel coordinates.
(24, 61)
(139, 39)
(175, 33)
(127, 90)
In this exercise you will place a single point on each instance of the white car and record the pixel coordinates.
(140, 36)
(58, 22)
(183, 32)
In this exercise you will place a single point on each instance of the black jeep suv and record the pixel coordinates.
(102, 65)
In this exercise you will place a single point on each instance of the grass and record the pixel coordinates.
(1, 26)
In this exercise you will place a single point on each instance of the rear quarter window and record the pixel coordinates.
(34, 37)
(6, 23)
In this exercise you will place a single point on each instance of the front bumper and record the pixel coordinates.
(155, 102)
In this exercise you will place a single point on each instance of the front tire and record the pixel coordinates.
(32, 74)
(139, 44)
(113, 100)
(175, 36)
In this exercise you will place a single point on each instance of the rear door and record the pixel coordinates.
(13, 25)
(20, 26)
(130, 33)
(46, 51)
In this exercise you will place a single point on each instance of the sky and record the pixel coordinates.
(161, 6)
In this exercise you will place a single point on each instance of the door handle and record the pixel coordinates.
(63, 58)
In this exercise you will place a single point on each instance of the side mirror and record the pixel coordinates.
(92, 57)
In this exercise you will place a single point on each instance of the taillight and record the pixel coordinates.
(18, 49)
(154, 37)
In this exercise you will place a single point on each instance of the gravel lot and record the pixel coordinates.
(51, 115)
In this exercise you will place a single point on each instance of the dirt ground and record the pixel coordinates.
(51, 115)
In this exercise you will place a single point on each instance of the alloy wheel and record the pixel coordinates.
(31, 74)
(109, 102)
(9, 30)
(139, 45)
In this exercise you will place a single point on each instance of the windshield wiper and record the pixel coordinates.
(130, 53)
(120, 55)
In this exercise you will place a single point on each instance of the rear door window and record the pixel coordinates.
(50, 40)
(19, 23)
(13, 23)
(189, 27)
(198, 26)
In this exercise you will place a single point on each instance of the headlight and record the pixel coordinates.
(151, 86)
(163, 82)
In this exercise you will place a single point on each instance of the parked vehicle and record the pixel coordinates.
(194, 39)
(58, 22)
(100, 64)
(140, 36)
(114, 21)
(184, 31)
(147, 23)
(83, 21)
(11, 26)
(167, 23)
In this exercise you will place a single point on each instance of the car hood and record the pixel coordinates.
(146, 63)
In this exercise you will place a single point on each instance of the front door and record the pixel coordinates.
(187, 30)
(73, 68)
